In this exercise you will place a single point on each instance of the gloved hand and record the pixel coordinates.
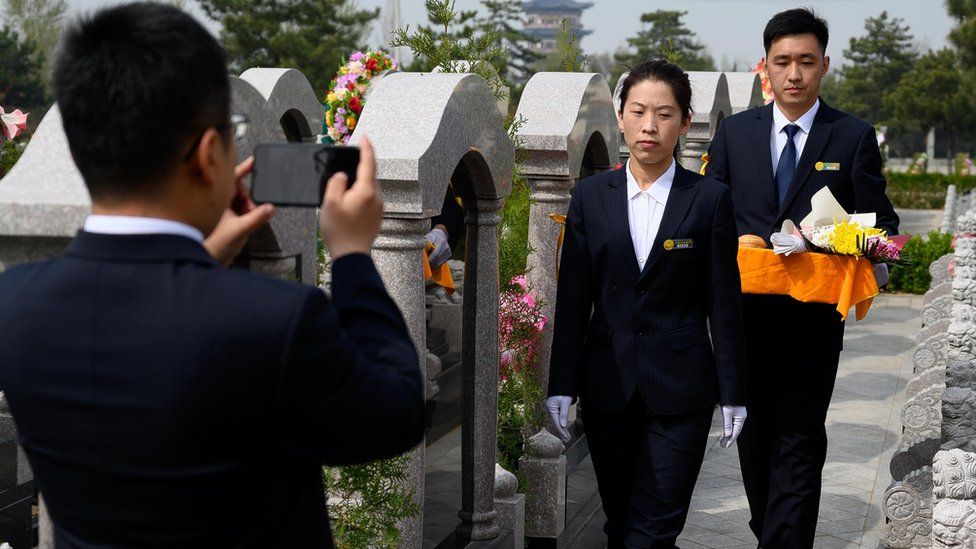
(881, 273)
(442, 250)
(733, 417)
(558, 407)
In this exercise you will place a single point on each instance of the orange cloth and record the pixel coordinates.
(442, 276)
(810, 277)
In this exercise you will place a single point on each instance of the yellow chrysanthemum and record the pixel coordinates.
(329, 119)
(351, 122)
(331, 98)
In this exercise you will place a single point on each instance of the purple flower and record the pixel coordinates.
(357, 56)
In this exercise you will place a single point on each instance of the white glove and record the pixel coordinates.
(881, 273)
(558, 407)
(442, 250)
(733, 417)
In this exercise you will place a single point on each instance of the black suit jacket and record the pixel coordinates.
(740, 157)
(618, 330)
(164, 401)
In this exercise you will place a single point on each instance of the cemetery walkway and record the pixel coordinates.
(863, 427)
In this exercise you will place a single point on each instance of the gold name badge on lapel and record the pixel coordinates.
(679, 244)
(827, 166)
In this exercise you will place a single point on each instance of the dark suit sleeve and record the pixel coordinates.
(351, 390)
(574, 303)
(725, 308)
(869, 183)
(452, 217)
(718, 157)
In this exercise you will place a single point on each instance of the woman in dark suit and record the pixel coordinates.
(648, 268)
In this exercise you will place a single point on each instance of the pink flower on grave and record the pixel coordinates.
(357, 56)
(12, 123)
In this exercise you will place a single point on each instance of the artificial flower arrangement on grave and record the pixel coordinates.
(767, 87)
(345, 99)
(520, 323)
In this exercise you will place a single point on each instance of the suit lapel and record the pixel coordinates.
(615, 204)
(816, 141)
(682, 195)
(763, 131)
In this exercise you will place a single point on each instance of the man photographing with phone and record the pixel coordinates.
(166, 401)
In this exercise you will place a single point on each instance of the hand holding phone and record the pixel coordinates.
(294, 174)
(350, 216)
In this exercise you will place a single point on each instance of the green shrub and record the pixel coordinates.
(11, 153)
(915, 278)
(369, 502)
(925, 191)
(513, 234)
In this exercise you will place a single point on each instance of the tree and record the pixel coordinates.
(313, 36)
(21, 85)
(664, 35)
(936, 93)
(963, 36)
(39, 23)
(878, 61)
(453, 39)
(501, 19)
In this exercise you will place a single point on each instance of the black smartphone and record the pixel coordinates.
(294, 174)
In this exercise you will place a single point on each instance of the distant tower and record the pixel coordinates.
(544, 21)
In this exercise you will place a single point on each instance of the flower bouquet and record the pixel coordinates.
(830, 229)
(345, 99)
(851, 238)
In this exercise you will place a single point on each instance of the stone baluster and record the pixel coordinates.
(479, 371)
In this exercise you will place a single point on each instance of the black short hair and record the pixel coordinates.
(794, 22)
(135, 84)
(662, 71)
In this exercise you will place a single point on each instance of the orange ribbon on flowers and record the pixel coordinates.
(846, 281)
(561, 219)
(442, 276)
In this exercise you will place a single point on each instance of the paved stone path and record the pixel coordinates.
(862, 426)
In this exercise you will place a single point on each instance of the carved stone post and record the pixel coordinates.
(479, 372)
(547, 196)
(510, 505)
(396, 253)
(543, 468)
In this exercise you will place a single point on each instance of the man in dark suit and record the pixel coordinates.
(774, 159)
(648, 269)
(166, 401)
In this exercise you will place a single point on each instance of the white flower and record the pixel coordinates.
(340, 93)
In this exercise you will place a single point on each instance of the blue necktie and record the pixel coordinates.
(787, 163)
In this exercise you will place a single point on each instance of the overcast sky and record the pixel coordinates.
(731, 29)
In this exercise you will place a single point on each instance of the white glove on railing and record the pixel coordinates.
(558, 407)
(442, 250)
(733, 417)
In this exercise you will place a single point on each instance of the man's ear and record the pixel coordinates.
(210, 146)
(826, 65)
(620, 118)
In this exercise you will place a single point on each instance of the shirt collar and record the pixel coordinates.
(658, 190)
(805, 122)
(126, 224)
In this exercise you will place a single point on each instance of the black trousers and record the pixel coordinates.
(783, 444)
(646, 467)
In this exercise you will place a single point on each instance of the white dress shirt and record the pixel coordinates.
(127, 224)
(777, 138)
(645, 209)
